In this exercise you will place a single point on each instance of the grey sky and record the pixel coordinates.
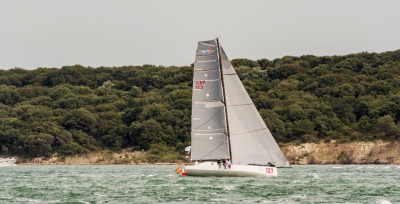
(48, 33)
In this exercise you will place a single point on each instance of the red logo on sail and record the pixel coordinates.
(199, 85)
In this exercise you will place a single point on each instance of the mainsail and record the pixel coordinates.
(208, 137)
(251, 142)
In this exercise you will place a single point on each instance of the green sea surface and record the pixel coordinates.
(160, 184)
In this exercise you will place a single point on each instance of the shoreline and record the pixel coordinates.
(333, 152)
(323, 153)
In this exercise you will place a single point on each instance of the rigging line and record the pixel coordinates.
(205, 70)
(204, 61)
(250, 131)
(209, 119)
(220, 61)
(205, 55)
(211, 45)
(242, 95)
(205, 100)
(247, 104)
(209, 80)
(204, 132)
(262, 132)
(259, 132)
(213, 150)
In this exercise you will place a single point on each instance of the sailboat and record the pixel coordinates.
(8, 161)
(228, 135)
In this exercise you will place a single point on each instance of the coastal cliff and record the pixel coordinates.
(378, 152)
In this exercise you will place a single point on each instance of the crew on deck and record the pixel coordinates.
(228, 163)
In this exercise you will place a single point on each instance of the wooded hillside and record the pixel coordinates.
(76, 109)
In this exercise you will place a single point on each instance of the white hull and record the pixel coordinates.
(7, 162)
(212, 169)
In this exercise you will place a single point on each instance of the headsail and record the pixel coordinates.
(208, 136)
(251, 140)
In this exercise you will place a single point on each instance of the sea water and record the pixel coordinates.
(160, 184)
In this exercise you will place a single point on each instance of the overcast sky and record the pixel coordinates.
(48, 33)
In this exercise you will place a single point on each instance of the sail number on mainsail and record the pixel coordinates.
(199, 85)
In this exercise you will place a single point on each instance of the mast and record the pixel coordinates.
(223, 90)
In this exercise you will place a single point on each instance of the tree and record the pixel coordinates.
(147, 133)
(107, 85)
(264, 63)
(39, 145)
(59, 91)
(244, 62)
(78, 119)
(386, 127)
(364, 125)
(9, 95)
(361, 109)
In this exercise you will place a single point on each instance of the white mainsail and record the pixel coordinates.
(251, 142)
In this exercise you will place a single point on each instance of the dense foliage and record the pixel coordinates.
(79, 109)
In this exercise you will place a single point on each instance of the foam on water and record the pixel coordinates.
(229, 188)
(218, 199)
(383, 201)
(302, 197)
(159, 184)
(315, 175)
(84, 202)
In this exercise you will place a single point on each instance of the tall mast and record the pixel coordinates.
(223, 90)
